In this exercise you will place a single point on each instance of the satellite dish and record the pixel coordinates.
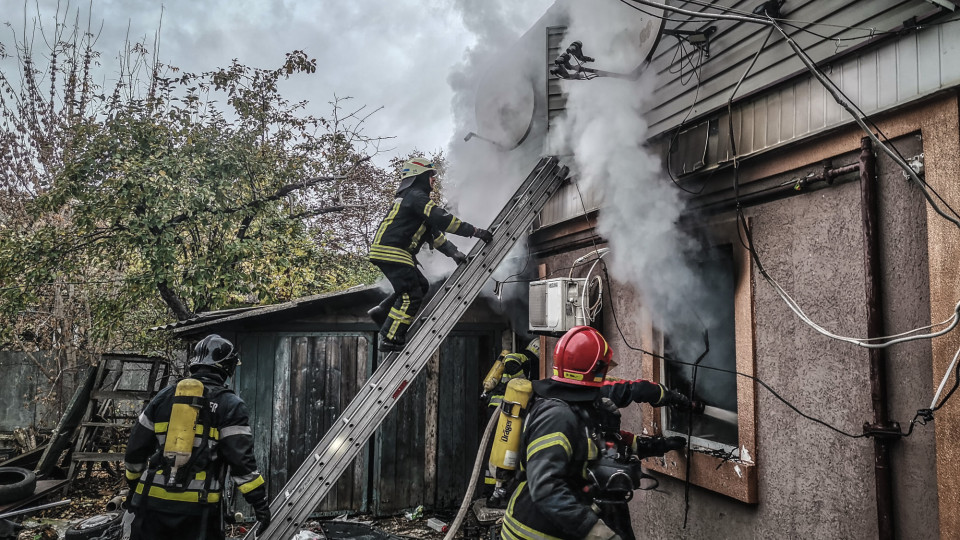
(504, 108)
(649, 25)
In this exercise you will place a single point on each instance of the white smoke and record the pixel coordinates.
(481, 177)
(605, 130)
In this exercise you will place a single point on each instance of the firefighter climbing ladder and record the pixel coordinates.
(308, 486)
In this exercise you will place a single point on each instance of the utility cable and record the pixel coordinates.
(895, 156)
(830, 87)
(693, 392)
(933, 404)
(754, 378)
(676, 134)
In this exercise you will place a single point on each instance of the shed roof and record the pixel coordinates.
(361, 295)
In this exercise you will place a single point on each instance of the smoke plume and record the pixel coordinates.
(605, 131)
(481, 176)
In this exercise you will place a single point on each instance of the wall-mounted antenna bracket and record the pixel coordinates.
(698, 38)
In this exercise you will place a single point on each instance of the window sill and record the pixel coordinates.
(733, 479)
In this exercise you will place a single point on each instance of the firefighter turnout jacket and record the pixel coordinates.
(413, 220)
(556, 448)
(222, 438)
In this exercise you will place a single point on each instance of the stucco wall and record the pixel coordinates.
(814, 483)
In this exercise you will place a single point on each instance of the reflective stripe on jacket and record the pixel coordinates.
(228, 441)
(554, 450)
(413, 220)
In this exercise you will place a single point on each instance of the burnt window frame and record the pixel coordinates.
(735, 477)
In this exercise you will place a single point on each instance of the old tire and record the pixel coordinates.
(93, 527)
(16, 483)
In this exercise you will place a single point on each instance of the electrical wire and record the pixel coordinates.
(754, 378)
(884, 341)
(923, 414)
(933, 404)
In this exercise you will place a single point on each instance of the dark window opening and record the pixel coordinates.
(714, 304)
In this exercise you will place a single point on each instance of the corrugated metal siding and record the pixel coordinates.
(734, 44)
(897, 72)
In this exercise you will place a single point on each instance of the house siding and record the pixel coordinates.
(778, 103)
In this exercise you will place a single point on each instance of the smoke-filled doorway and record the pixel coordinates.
(716, 383)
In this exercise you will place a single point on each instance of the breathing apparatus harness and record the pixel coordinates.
(617, 471)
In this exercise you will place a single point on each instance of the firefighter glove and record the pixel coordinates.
(658, 446)
(600, 531)
(672, 398)
(459, 257)
(484, 235)
(262, 512)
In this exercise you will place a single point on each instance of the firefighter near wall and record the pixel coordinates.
(579, 469)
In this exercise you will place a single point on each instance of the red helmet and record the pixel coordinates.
(581, 357)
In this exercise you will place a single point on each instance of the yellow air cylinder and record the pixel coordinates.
(507, 437)
(496, 371)
(182, 426)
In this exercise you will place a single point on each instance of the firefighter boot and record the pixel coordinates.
(379, 312)
(498, 499)
(391, 345)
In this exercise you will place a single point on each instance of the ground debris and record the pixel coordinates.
(89, 495)
(46, 532)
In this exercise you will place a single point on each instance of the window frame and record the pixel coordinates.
(735, 478)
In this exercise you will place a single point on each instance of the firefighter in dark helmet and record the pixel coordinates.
(180, 448)
(560, 443)
(412, 221)
(515, 365)
(509, 366)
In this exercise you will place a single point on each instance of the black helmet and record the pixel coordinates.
(217, 353)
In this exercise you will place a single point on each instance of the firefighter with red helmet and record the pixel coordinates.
(181, 446)
(412, 221)
(560, 441)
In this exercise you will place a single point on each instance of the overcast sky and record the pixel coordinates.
(391, 53)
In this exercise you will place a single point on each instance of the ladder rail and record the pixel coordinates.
(381, 382)
(312, 481)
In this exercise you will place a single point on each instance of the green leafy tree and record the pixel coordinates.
(167, 194)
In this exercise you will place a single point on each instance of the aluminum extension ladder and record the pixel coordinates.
(308, 486)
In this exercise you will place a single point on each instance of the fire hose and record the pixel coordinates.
(477, 466)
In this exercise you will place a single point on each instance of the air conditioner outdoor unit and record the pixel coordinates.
(555, 305)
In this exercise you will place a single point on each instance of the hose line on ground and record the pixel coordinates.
(477, 465)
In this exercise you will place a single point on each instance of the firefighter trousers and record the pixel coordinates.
(409, 287)
(149, 524)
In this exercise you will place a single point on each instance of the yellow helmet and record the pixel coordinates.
(416, 167)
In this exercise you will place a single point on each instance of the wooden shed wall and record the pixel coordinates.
(296, 384)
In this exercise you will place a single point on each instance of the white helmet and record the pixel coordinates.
(412, 168)
(534, 346)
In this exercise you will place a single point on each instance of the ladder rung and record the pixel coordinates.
(124, 425)
(97, 456)
(140, 395)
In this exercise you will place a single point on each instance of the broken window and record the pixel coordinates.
(716, 388)
(723, 439)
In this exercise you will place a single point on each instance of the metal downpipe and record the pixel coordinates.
(875, 328)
